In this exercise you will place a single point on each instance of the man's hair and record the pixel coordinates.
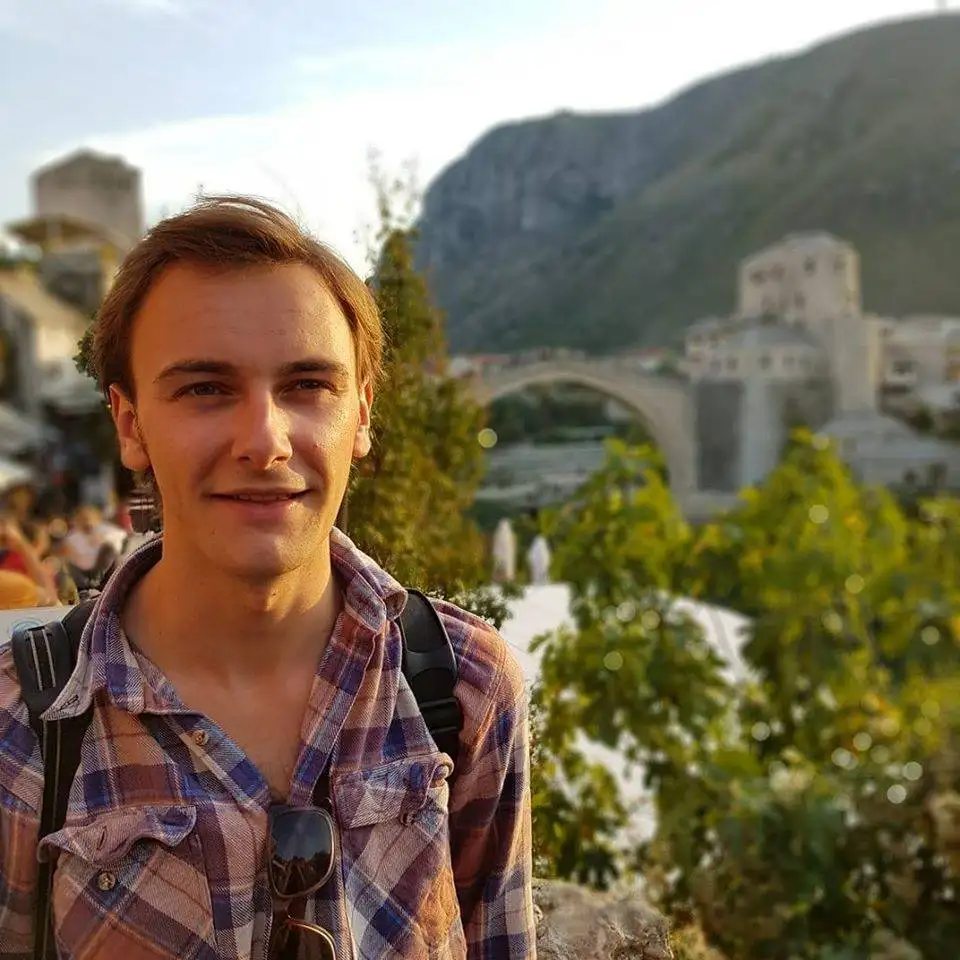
(226, 232)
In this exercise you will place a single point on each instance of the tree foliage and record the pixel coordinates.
(811, 809)
(408, 500)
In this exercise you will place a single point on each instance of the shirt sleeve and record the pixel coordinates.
(490, 827)
(18, 878)
(20, 781)
(13, 561)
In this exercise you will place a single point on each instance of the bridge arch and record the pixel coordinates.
(664, 405)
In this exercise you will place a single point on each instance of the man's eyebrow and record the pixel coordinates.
(332, 368)
(216, 367)
(220, 368)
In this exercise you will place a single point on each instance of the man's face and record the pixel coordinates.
(87, 519)
(248, 411)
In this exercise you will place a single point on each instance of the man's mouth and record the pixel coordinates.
(261, 497)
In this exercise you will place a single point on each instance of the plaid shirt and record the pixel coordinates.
(162, 854)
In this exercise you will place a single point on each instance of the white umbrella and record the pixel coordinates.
(12, 474)
(16, 431)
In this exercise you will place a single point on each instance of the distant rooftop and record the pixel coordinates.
(706, 325)
(815, 238)
(55, 229)
(82, 156)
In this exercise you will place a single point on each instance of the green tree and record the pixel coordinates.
(812, 808)
(408, 501)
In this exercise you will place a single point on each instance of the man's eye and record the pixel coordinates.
(311, 385)
(200, 390)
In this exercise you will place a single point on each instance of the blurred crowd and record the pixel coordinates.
(53, 560)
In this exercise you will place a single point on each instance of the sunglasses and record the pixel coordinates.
(302, 854)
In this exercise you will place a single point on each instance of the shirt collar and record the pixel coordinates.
(106, 661)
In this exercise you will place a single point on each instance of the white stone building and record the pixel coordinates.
(800, 349)
(921, 362)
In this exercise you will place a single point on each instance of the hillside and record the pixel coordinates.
(599, 231)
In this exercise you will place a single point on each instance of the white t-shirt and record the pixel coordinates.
(82, 548)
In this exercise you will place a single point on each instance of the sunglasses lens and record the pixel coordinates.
(301, 851)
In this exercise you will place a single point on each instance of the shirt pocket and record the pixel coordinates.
(395, 847)
(131, 883)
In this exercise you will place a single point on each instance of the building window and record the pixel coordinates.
(849, 447)
(810, 265)
(765, 362)
(731, 363)
(800, 301)
(902, 367)
(839, 265)
(769, 304)
(757, 276)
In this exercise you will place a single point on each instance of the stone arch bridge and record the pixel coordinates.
(665, 405)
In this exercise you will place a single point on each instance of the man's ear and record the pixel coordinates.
(133, 452)
(361, 440)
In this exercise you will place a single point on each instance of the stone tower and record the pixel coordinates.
(97, 190)
(811, 282)
(87, 213)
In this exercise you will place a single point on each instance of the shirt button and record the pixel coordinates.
(200, 738)
(106, 881)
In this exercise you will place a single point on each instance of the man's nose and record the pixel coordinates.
(262, 432)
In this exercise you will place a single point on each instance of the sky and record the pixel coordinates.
(285, 99)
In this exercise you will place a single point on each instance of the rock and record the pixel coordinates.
(885, 945)
(689, 943)
(575, 923)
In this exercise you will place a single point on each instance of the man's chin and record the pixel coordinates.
(263, 558)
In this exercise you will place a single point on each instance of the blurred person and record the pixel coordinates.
(17, 591)
(538, 560)
(89, 534)
(18, 555)
(58, 564)
(504, 552)
(20, 502)
(244, 668)
(64, 583)
(38, 536)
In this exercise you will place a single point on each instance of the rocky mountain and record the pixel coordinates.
(602, 231)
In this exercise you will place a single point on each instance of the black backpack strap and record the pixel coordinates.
(430, 666)
(45, 657)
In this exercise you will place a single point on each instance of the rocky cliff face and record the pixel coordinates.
(539, 178)
(605, 230)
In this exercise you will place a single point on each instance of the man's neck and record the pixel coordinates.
(231, 631)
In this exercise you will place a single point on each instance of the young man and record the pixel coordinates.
(258, 778)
